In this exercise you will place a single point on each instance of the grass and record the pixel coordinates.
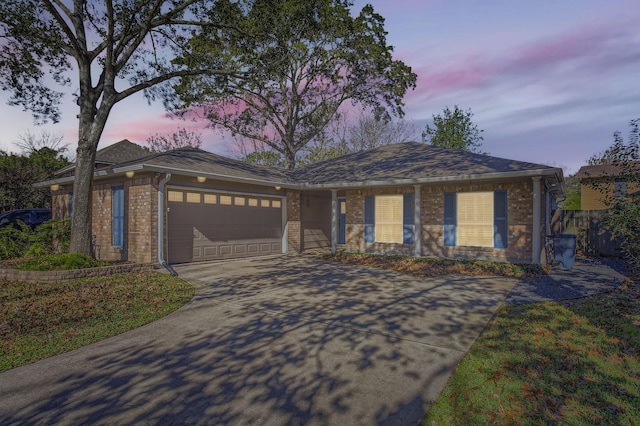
(432, 267)
(41, 320)
(574, 362)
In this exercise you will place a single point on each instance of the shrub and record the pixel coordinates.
(14, 242)
(50, 237)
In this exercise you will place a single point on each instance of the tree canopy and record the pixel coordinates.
(182, 138)
(102, 52)
(623, 218)
(303, 59)
(41, 157)
(455, 130)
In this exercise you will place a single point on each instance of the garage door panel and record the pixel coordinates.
(206, 231)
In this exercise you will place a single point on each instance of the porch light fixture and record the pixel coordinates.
(201, 179)
(130, 173)
(277, 188)
(55, 187)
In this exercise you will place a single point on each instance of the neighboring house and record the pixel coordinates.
(602, 184)
(408, 198)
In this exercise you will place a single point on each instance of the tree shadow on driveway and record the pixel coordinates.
(276, 341)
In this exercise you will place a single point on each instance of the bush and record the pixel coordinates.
(63, 261)
(50, 237)
(14, 242)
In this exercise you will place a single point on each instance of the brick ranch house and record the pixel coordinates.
(409, 198)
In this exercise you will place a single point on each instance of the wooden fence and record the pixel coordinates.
(593, 237)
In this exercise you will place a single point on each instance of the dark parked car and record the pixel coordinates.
(31, 217)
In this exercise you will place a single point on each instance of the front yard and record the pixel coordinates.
(41, 320)
(572, 362)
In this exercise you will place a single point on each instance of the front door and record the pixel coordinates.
(342, 220)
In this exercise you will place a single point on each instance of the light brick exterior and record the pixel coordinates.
(519, 222)
(294, 241)
(141, 218)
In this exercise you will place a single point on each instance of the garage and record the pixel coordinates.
(221, 225)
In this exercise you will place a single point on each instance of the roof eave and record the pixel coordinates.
(554, 173)
(183, 172)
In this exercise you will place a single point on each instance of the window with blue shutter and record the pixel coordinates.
(407, 219)
(369, 215)
(117, 216)
(71, 204)
(500, 219)
(450, 219)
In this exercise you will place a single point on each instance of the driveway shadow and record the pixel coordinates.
(277, 341)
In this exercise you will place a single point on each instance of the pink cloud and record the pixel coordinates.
(587, 49)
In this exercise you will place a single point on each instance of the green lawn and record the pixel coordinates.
(41, 320)
(576, 363)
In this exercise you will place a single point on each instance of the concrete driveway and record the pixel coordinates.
(269, 341)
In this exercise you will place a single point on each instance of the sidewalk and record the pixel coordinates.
(586, 278)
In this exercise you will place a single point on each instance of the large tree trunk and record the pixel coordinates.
(91, 126)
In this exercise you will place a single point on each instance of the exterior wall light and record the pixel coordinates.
(201, 179)
(277, 188)
(55, 187)
(130, 173)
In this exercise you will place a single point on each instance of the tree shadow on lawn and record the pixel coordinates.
(285, 341)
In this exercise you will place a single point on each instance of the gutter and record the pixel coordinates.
(161, 189)
(439, 179)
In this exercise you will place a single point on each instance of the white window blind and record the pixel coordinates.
(475, 219)
(388, 218)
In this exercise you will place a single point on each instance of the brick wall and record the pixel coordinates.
(294, 240)
(355, 222)
(142, 223)
(141, 218)
(520, 220)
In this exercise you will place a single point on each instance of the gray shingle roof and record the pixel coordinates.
(197, 161)
(120, 152)
(409, 161)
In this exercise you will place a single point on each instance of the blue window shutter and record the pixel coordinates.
(117, 216)
(407, 219)
(71, 204)
(369, 216)
(450, 219)
(500, 236)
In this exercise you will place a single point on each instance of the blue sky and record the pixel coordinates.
(548, 81)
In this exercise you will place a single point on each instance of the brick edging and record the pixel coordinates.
(50, 276)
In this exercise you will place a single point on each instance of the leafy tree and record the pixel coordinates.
(109, 50)
(624, 217)
(305, 58)
(455, 130)
(574, 195)
(183, 138)
(18, 172)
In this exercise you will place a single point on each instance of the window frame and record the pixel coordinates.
(408, 213)
(500, 219)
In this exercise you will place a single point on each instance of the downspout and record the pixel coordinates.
(161, 260)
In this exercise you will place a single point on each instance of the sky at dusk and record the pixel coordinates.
(548, 81)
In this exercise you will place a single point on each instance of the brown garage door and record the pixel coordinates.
(208, 226)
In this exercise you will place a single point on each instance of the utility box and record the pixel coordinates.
(564, 249)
